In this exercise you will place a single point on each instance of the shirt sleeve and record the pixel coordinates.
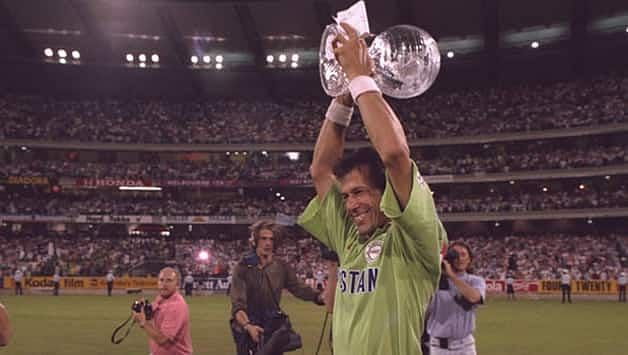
(422, 233)
(298, 287)
(174, 320)
(479, 284)
(238, 290)
(327, 220)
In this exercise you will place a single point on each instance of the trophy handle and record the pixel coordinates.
(333, 79)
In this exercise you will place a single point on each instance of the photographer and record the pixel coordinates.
(167, 324)
(258, 324)
(452, 311)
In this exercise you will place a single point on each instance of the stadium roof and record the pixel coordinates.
(486, 35)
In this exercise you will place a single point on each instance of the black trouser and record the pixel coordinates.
(55, 290)
(425, 342)
(188, 289)
(622, 293)
(109, 288)
(18, 288)
(566, 292)
(510, 290)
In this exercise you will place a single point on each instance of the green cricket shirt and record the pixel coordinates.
(385, 282)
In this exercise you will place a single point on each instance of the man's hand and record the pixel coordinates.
(254, 331)
(449, 270)
(352, 53)
(139, 318)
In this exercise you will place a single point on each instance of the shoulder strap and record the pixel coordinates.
(272, 293)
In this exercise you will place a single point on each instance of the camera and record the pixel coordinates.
(282, 337)
(143, 306)
(451, 256)
(137, 307)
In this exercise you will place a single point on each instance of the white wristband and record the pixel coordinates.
(339, 113)
(361, 84)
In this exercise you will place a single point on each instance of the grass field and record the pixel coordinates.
(73, 325)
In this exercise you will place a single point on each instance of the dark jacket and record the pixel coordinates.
(253, 289)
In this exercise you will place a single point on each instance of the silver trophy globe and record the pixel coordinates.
(406, 58)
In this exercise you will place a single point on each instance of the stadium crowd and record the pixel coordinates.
(256, 167)
(172, 204)
(83, 254)
(539, 201)
(532, 159)
(528, 257)
(589, 102)
(109, 205)
(542, 257)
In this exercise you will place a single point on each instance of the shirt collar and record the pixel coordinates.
(379, 230)
(161, 300)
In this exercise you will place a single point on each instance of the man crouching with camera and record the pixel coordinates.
(166, 321)
(259, 326)
(451, 319)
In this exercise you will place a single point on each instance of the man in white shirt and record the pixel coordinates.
(109, 278)
(565, 285)
(510, 286)
(621, 286)
(56, 279)
(18, 276)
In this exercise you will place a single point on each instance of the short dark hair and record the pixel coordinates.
(363, 157)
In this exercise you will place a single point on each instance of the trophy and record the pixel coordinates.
(406, 58)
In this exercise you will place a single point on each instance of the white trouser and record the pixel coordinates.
(464, 346)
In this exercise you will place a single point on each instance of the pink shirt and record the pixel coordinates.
(172, 318)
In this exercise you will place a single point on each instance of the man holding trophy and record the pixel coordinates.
(376, 212)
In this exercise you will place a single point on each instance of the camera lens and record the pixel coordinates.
(451, 256)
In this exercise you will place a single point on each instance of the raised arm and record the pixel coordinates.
(381, 122)
(330, 145)
(472, 293)
(299, 289)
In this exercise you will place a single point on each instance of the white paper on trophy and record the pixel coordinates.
(356, 17)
